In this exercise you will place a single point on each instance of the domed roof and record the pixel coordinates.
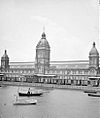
(93, 50)
(43, 43)
(5, 56)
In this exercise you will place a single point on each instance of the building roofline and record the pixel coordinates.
(51, 61)
(71, 61)
(22, 61)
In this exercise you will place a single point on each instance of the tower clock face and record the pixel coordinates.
(92, 71)
(42, 54)
(41, 61)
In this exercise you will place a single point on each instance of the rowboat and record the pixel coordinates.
(89, 91)
(94, 95)
(30, 93)
(24, 101)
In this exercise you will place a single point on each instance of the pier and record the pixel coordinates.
(55, 86)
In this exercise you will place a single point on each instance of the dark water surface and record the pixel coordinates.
(56, 103)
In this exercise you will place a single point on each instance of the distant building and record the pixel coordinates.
(73, 70)
(94, 59)
(5, 62)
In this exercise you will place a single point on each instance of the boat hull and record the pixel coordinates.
(87, 91)
(24, 103)
(31, 94)
(94, 95)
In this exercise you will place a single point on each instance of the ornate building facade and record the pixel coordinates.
(70, 70)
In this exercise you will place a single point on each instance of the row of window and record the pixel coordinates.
(62, 72)
(70, 72)
(22, 66)
(74, 77)
(59, 77)
(21, 71)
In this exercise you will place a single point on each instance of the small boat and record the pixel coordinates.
(30, 93)
(94, 94)
(24, 101)
(89, 91)
(3, 85)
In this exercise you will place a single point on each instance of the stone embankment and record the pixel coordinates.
(71, 87)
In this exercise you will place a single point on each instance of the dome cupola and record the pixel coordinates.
(5, 56)
(43, 35)
(43, 43)
(93, 51)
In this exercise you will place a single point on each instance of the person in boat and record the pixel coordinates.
(28, 91)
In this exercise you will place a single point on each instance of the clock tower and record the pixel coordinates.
(42, 60)
(94, 60)
(5, 62)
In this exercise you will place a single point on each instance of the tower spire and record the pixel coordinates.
(93, 44)
(43, 28)
(43, 34)
(5, 51)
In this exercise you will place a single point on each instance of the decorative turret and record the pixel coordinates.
(94, 57)
(43, 43)
(43, 35)
(42, 60)
(5, 62)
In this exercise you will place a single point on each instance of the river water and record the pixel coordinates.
(56, 103)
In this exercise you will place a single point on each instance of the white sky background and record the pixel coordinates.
(71, 26)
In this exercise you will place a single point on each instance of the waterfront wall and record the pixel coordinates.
(55, 86)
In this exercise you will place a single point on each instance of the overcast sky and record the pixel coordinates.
(71, 26)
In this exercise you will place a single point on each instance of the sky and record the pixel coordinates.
(71, 27)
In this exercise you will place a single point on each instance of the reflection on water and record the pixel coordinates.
(53, 104)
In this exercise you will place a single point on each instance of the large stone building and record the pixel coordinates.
(73, 70)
